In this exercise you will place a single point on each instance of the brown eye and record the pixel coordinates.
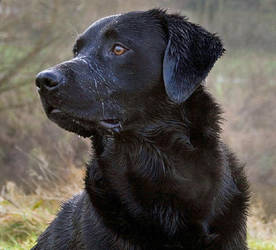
(118, 50)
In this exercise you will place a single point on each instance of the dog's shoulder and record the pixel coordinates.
(59, 233)
(75, 227)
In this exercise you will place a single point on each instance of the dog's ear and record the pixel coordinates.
(190, 54)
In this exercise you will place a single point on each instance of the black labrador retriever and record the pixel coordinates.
(160, 177)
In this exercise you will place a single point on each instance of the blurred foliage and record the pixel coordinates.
(36, 34)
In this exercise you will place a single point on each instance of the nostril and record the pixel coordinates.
(48, 79)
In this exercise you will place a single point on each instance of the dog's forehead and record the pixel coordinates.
(139, 22)
(131, 22)
(98, 25)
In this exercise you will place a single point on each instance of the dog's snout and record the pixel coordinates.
(49, 79)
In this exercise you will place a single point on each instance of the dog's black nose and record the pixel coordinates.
(49, 79)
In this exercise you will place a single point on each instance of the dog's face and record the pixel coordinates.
(123, 65)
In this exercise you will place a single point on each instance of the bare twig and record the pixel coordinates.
(17, 106)
(14, 86)
(22, 62)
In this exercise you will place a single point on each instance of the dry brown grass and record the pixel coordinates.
(23, 217)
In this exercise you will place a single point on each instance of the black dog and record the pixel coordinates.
(161, 178)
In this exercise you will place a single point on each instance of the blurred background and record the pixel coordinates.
(42, 165)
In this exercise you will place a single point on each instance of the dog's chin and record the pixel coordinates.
(82, 127)
(71, 124)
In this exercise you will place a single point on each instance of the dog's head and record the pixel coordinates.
(124, 66)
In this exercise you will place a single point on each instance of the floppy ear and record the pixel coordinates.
(190, 54)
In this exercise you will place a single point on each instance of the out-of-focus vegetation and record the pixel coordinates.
(40, 164)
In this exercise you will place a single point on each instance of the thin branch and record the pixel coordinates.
(24, 82)
(18, 106)
(14, 86)
(22, 62)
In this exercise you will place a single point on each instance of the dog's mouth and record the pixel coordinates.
(52, 110)
(70, 122)
(111, 124)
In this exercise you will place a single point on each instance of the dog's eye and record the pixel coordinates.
(118, 50)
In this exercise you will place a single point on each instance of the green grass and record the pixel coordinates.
(256, 244)
(19, 228)
(28, 242)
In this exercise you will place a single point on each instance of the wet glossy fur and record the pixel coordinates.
(164, 179)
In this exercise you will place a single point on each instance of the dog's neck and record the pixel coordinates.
(144, 162)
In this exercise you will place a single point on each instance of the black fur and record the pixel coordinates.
(190, 54)
(160, 177)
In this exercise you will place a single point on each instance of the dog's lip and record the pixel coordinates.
(110, 123)
(107, 123)
(52, 110)
(55, 111)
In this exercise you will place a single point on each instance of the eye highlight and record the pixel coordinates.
(118, 49)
